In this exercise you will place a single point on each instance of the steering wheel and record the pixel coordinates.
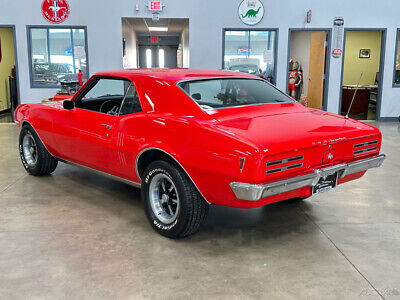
(110, 107)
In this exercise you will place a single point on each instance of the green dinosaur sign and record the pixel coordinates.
(251, 11)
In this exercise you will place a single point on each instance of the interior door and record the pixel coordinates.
(316, 69)
(158, 56)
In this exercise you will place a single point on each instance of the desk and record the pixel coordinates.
(360, 104)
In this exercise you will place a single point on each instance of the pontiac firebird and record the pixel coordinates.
(191, 138)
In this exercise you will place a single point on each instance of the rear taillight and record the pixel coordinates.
(365, 147)
(284, 164)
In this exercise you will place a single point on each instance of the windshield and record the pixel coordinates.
(231, 92)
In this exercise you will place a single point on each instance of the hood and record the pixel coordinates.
(278, 128)
(55, 104)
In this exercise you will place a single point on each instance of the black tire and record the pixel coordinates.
(192, 207)
(44, 163)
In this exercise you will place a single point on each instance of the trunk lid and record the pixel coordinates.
(295, 139)
(279, 128)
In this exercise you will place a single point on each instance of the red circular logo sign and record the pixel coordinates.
(55, 11)
(337, 52)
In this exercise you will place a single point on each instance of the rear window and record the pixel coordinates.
(231, 92)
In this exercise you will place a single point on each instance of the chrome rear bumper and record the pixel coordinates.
(254, 192)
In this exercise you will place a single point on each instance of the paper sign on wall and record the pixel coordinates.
(268, 56)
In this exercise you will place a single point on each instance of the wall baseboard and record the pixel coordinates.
(6, 111)
(389, 119)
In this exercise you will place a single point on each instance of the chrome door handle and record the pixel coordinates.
(109, 127)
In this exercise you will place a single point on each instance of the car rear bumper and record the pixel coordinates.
(254, 192)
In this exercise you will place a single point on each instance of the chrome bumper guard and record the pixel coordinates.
(254, 192)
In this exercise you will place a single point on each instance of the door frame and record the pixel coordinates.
(381, 68)
(327, 60)
(276, 30)
(16, 62)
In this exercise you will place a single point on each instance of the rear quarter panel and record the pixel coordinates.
(209, 156)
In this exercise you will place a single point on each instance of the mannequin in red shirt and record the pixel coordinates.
(295, 80)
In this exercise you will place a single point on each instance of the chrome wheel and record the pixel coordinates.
(29, 150)
(164, 199)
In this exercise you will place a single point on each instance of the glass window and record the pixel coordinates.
(111, 96)
(131, 103)
(161, 60)
(149, 58)
(396, 77)
(106, 88)
(251, 51)
(221, 93)
(57, 54)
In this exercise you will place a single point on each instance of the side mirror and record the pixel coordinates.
(68, 104)
(196, 96)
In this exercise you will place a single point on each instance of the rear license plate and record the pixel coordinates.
(325, 184)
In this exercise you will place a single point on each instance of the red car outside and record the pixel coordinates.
(190, 138)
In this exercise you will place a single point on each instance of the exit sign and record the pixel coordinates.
(155, 6)
(154, 39)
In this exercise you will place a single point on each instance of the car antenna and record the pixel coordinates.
(354, 95)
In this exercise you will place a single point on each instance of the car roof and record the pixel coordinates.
(173, 74)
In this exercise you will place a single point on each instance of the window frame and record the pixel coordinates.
(33, 84)
(93, 81)
(396, 48)
(276, 30)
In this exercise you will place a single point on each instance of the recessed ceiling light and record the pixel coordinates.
(158, 28)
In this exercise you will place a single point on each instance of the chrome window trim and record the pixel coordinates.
(93, 80)
(155, 148)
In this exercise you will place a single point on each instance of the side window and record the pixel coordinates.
(205, 91)
(130, 103)
(106, 88)
(106, 95)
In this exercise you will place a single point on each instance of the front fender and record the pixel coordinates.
(22, 114)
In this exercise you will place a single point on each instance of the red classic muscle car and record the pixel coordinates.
(190, 138)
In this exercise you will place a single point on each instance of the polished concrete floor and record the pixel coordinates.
(76, 235)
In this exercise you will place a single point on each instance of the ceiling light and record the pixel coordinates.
(158, 28)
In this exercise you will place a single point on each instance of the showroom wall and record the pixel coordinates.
(185, 47)
(129, 35)
(207, 20)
